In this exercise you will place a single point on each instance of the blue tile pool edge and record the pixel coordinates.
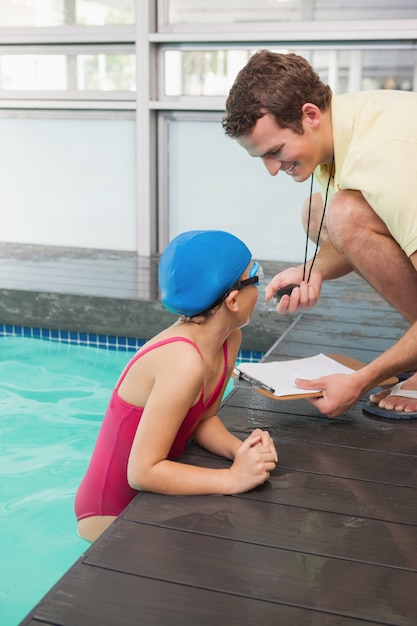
(107, 342)
(94, 340)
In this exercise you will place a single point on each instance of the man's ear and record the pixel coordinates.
(311, 115)
(231, 301)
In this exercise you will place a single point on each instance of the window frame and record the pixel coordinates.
(147, 39)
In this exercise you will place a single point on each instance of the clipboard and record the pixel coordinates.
(344, 360)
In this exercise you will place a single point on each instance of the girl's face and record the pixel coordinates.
(248, 294)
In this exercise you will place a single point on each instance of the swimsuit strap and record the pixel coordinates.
(152, 347)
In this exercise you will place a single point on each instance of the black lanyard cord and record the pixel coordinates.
(321, 222)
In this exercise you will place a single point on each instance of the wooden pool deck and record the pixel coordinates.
(329, 540)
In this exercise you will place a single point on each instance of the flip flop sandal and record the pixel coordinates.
(405, 375)
(372, 408)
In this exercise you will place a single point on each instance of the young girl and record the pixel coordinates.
(171, 389)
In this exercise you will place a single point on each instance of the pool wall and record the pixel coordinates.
(105, 293)
(106, 342)
(117, 317)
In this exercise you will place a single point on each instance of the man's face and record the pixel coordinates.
(281, 149)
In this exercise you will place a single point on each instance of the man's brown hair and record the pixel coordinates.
(279, 84)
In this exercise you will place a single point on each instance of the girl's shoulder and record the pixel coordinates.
(176, 341)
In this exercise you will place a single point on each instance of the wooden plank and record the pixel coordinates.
(349, 302)
(359, 590)
(358, 319)
(378, 467)
(91, 596)
(343, 302)
(248, 399)
(339, 495)
(296, 350)
(339, 327)
(321, 492)
(319, 342)
(341, 339)
(300, 529)
(347, 431)
(357, 313)
(371, 324)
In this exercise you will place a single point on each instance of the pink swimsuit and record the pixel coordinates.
(104, 490)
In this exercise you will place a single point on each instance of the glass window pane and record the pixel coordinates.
(62, 72)
(235, 11)
(102, 12)
(27, 13)
(393, 69)
(105, 72)
(202, 72)
(240, 185)
(210, 72)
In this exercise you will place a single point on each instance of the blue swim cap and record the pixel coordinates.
(198, 267)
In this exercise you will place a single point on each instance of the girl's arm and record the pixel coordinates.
(170, 399)
(212, 435)
(252, 466)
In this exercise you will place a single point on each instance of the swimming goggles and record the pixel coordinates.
(256, 275)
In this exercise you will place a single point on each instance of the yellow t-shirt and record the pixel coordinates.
(375, 151)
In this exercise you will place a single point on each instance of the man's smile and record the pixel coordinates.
(289, 169)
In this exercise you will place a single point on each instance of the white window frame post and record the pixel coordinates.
(146, 197)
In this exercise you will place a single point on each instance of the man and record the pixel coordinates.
(362, 148)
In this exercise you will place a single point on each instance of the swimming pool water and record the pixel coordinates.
(52, 399)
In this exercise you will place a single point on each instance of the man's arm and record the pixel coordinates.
(341, 391)
(329, 262)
